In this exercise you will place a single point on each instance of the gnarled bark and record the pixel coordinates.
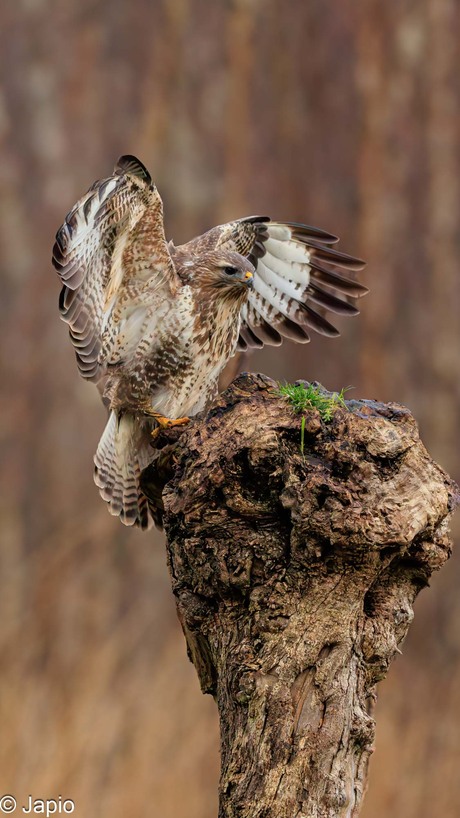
(294, 575)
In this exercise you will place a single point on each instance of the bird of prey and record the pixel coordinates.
(153, 325)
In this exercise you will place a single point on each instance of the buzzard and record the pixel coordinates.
(153, 325)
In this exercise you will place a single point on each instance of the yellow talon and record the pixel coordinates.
(167, 423)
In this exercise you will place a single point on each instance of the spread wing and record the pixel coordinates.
(299, 278)
(111, 244)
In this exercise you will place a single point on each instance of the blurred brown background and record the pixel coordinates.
(342, 114)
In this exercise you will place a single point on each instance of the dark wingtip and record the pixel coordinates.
(255, 219)
(130, 164)
(336, 257)
(307, 233)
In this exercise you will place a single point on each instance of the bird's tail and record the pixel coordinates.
(122, 453)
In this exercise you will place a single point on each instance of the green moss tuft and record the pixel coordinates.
(304, 397)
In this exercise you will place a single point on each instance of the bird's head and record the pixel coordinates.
(225, 273)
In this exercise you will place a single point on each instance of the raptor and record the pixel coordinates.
(154, 324)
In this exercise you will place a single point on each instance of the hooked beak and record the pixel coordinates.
(249, 279)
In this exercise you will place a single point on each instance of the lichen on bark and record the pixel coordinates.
(294, 576)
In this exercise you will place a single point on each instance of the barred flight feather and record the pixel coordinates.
(287, 250)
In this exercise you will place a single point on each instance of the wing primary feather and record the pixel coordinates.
(283, 282)
(103, 188)
(287, 250)
(132, 165)
(292, 331)
(260, 309)
(258, 249)
(330, 302)
(254, 219)
(337, 258)
(250, 337)
(305, 233)
(268, 334)
(318, 323)
(323, 273)
(262, 328)
(87, 207)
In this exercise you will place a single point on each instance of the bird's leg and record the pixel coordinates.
(166, 423)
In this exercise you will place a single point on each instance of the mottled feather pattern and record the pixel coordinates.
(299, 278)
(112, 236)
(154, 324)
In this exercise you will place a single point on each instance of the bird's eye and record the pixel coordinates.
(231, 271)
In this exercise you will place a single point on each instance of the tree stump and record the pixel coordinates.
(294, 575)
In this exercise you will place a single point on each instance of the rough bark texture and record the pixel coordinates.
(294, 576)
